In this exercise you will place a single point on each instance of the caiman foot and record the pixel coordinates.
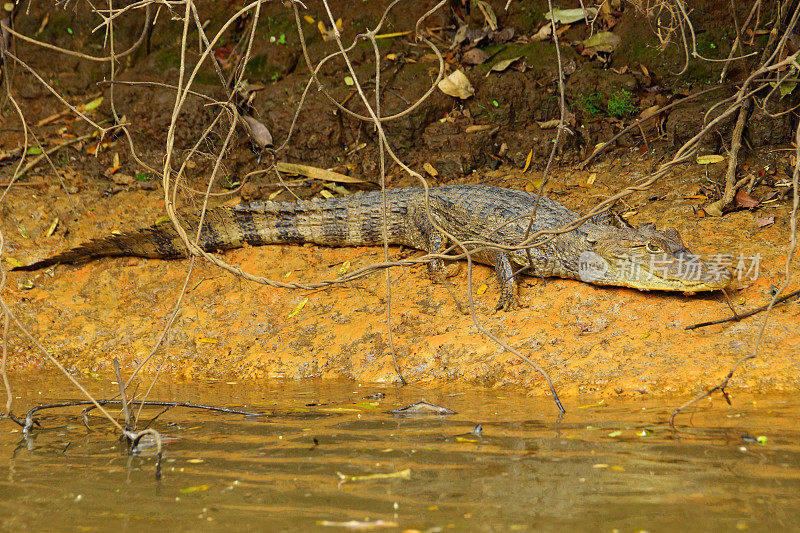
(508, 285)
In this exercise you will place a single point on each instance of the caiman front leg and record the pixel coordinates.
(434, 243)
(508, 285)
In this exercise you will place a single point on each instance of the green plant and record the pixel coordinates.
(621, 104)
(591, 103)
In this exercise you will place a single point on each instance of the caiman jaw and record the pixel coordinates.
(648, 259)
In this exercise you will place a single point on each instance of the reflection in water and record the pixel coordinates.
(612, 465)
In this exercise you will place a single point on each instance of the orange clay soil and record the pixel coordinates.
(609, 340)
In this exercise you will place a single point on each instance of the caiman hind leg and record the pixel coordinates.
(508, 284)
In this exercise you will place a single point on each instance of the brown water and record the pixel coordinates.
(605, 466)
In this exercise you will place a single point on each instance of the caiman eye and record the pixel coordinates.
(653, 248)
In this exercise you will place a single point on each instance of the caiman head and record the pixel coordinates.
(645, 258)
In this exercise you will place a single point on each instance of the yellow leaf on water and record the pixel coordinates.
(708, 159)
(528, 161)
(299, 307)
(196, 488)
(481, 289)
(402, 474)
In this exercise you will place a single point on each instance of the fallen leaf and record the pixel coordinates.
(481, 289)
(402, 474)
(478, 127)
(52, 227)
(207, 340)
(315, 173)
(765, 221)
(92, 105)
(500, 66)
(358, 525)
(474, 56)
(745, 200)
(591, 178)
(195, 461)
(549, 124)
(196, 488)
(299, 307)
(309, 19)
(488, 13)
(15, 263)
(257, 131)
(457, 85)
(709, 159)
(122, 179)
(544, 33)
(604, 41)
(528, 161)
(343, 269)
(568, 16)
(430, 169)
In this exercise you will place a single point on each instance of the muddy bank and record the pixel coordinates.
(611, 340)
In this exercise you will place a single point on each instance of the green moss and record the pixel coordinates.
(621, 104)
(592, 104)
(618, 104)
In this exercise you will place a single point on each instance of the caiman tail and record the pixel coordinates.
(333, 222)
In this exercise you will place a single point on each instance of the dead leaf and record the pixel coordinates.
(544, 33)
(474, 56)
(402, 474)
(528, 161)
(592, 177)
(568, 16)
(649, 112)
(299, 307)
(257, 131)
(604, 41)
(765, 221)
(457, 85)
(709, 159)
(52, 228)
(548, 125)
(488, 14)
(315, 173)
(430, 169)
(122, 179)
(358, 525)
(478, 127)
(745, 200)
(500, 66)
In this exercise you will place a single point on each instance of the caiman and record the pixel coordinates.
(598, 252)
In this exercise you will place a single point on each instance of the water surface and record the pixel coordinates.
(608, 464)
